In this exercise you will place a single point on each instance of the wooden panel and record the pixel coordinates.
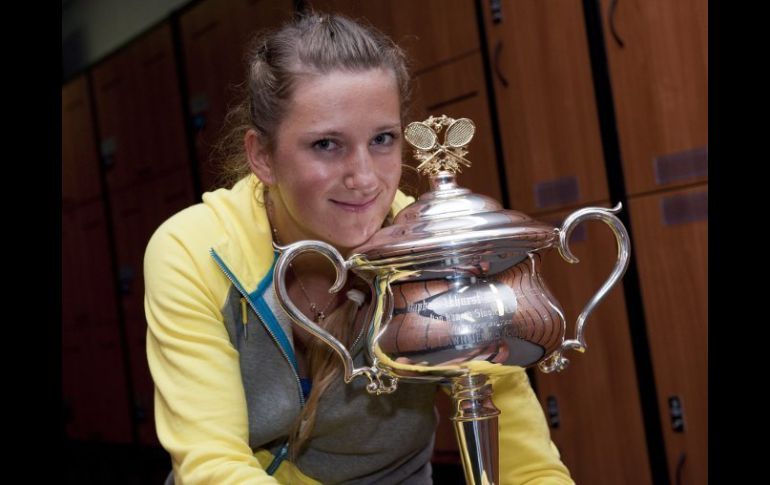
(660, 85)
(76, 398)
(213, 62)
(118, 117)
(671, 244)
(431, 31)
(93, 375)
(139, 110)
(215, 35)
(458, 90)
(135, 219)
(162, 138)
(546, 105)
(80, 164)
(137, 213)
(595, 401)
(250, 16)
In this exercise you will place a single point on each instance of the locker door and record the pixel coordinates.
(213, 65)
(250, 16)
(671, 244)
(162, 143)
(546, 105)
(660, 85)
(137, 213)
(75, 341)
(80, 165)
(593, 406)
(215, 34)
(458, 90)
(431, 31)
(118, 115)
(134, 219)
(94, 373)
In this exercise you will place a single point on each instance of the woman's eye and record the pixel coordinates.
(383, 139)
(325, 144)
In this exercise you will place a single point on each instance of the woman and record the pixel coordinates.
(243, 395)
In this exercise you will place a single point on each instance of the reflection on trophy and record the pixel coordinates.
(457, 292)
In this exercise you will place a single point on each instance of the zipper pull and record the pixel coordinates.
(279, 457)
(245, 318)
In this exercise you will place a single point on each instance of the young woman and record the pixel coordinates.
(243, 395)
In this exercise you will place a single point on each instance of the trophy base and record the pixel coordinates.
(475, 424)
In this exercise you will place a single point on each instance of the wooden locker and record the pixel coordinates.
(75, 396)
(80, 163)
(134, 221)
(139, 111)
(137, 213)
(250, 16)
(671, 244)
(111, 389)
(430, 31)
(215, 35)
(75, 342)
(94, 378)
(660, 86)
(117, 109)
(162, 140)
(458, 90)
(546, 105)
(593, 406)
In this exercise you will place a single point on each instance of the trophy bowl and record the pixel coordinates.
(457, 292)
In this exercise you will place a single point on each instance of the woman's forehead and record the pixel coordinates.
(363, 96)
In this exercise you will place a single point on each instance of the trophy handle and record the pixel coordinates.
(379, 380)
(556, 362)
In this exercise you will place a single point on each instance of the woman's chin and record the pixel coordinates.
(349, 240)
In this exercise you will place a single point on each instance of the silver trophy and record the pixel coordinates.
(457, 292)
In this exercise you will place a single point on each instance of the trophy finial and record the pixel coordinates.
(434, 156)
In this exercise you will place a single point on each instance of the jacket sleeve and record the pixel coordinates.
(527, 454)
(200, 403)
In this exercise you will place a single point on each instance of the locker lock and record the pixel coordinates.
(676, 413)
(552, 410)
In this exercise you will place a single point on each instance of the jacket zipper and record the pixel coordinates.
(243, 292)
(244, 318)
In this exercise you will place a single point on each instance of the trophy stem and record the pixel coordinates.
(475, 423)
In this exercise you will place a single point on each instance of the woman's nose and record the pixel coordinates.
(360, 174)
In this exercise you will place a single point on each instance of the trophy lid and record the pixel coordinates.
(451, 222)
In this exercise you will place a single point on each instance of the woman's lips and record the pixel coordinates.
(355, 206)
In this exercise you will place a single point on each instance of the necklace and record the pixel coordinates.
(318, 315)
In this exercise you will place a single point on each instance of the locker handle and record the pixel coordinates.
(612, 8)
(498, 51)
(680, 467)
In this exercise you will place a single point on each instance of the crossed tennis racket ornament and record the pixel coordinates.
(457, 293)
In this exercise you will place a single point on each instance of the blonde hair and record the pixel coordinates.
(325, 368)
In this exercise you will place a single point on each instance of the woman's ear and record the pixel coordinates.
(259, 158)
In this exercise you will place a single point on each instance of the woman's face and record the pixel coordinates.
(336, 162)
